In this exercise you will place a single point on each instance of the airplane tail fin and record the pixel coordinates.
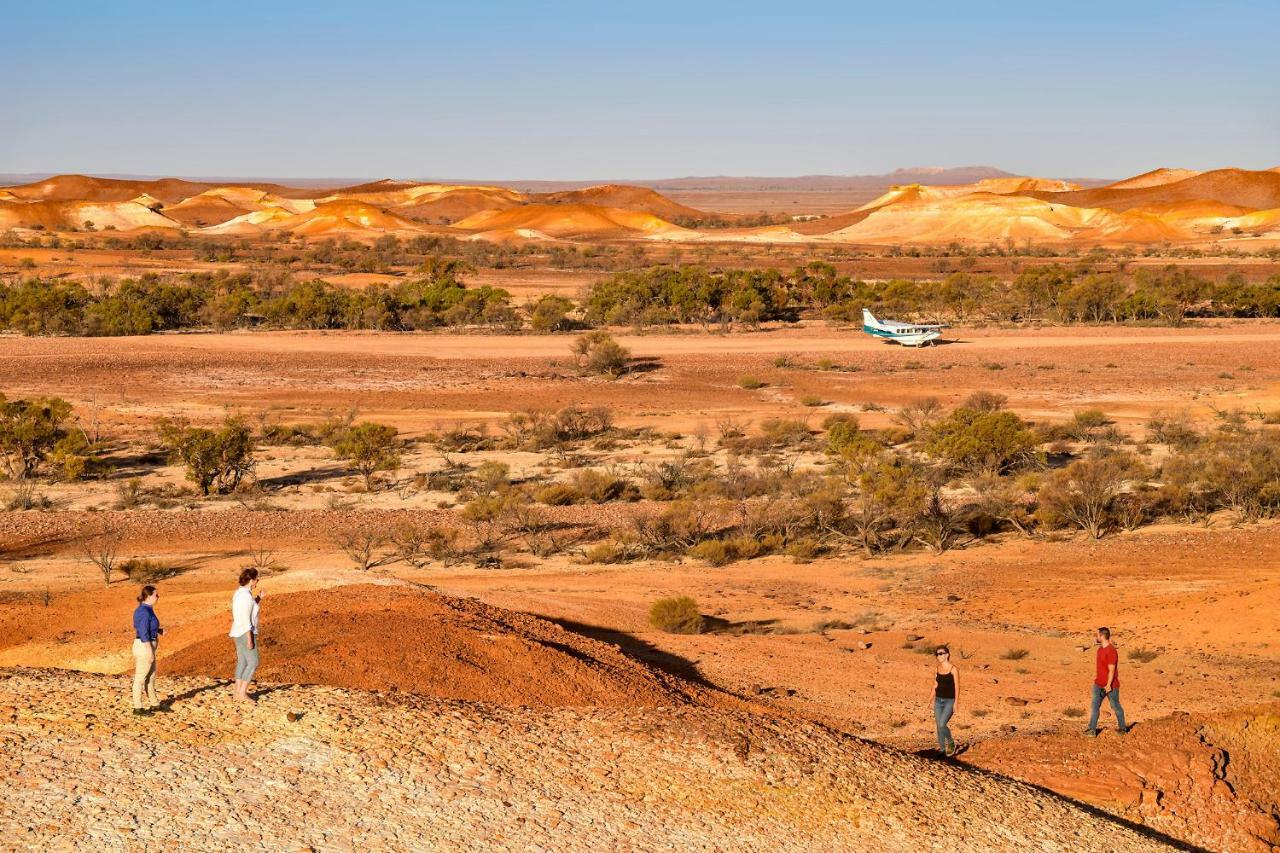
(868, 319)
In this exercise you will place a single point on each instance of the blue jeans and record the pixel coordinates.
(1096, 705)
(942, 711)
(246, 658)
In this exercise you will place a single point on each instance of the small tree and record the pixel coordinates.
(977, 441)
(369, 447)
(551, 314)
(29, 431)
(598, 352)
(365, 549)
(216, 461)
(1084, 493)
(101, 551)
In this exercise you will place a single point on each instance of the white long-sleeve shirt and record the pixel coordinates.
(244, 612)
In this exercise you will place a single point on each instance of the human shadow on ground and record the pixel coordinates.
(196, 691)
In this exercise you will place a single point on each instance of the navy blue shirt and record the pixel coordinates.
(145, 624)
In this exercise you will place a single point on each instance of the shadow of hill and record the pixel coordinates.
(641, 650)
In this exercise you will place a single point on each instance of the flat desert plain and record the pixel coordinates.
(802, 656)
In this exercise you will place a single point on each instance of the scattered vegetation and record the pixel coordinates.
(676, 615)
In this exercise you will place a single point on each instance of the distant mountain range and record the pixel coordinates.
(928, 175)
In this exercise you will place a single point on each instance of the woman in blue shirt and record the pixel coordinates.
(146, 636)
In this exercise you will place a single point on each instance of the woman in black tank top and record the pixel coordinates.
(946, 689)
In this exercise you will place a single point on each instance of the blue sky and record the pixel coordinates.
(635, 90)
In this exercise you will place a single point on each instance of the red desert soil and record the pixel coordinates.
(1207, 779)
(375, 637)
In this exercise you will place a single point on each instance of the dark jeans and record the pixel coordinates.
(942, 711)
(1096, 705)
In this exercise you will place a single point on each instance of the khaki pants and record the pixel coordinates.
(144, 674)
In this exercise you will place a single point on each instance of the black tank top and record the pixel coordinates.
(946, 685)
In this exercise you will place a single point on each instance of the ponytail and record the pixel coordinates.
(248, 575)
(145, 593)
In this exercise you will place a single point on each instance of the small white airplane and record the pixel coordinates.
(907, 334)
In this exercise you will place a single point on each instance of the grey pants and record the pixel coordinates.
(246, 658)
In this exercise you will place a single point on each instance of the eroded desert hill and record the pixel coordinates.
(1234, 207)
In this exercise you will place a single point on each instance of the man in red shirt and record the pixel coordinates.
(1106, 682)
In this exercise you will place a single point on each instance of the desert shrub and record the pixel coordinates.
(101, 552)
(216, 460)
(369, 447)
(491, 476)
(292, 435)
(891, 495)
(146, 571)
(677, 527)
(920, 415)
(1086, 423)
(463, 438)
(1015, 654)
(1231, 469)
(750, 383)
(667, 479)
(76, 457)
(846, 441)
(589, 486)
(542, 430)
(676, 615)
(366, 549)
(712, 551)
(417, 545)
(1001, 502)
(610, 551)
(23, 496)
(1084, 493)
(551, 314)
(597, 352)
(1175, 429)
(784, 432)
(1142, 655)
(29, 432)
(985, 401)
(976, 441)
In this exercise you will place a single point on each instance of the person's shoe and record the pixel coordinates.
(950, 750)
(1090, 732)
(142, 712)
(162, 708)
(1122, 730)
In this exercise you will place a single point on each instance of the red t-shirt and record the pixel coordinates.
(1107, 656)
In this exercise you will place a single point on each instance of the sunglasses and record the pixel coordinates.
(941, 654)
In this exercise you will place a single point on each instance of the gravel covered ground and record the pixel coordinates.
(363, 770)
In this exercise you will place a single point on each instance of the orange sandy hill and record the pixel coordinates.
(220, 204)
(1239, 187)
(1165, 205)
(417, 641)
(431, 201)
(624, 197)
(1154, 178)
(342, 217)
(564, 221)
(74, 215)
(167, 190)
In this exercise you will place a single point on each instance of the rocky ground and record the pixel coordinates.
(328, 768)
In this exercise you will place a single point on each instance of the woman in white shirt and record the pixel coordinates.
(244, 630)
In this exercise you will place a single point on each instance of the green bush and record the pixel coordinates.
(676, 615)
(216, 460)
(369, 447)
(597, 352)
(977, 441)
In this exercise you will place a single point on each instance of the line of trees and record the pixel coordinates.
(655, 296)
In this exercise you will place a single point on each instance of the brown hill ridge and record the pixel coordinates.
(326, 768)
(1164, 206)
(380, 637)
